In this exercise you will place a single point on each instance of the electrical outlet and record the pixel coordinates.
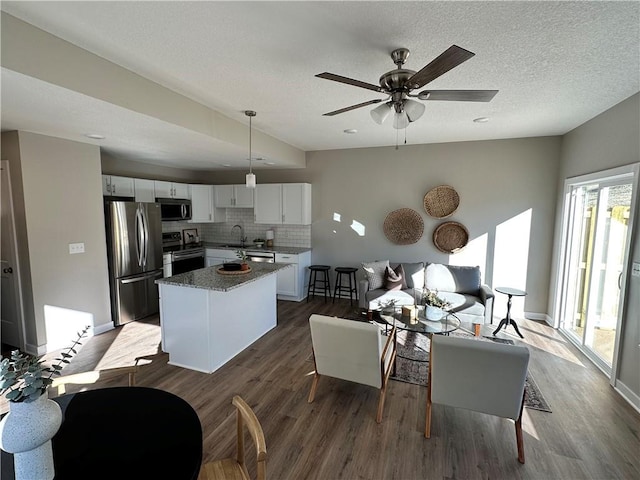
(635, 269)
(76, 248)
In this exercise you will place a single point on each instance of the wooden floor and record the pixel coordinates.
(591, 434)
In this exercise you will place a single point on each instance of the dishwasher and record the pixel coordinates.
(261, 257)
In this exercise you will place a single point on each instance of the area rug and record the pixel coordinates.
(412, 365)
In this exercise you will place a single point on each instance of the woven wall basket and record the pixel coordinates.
(441, 201)
(450, 237)
(404, 226)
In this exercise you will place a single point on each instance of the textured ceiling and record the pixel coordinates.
(555, 64)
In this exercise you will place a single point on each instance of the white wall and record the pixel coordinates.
(611, 139)
(62, 197)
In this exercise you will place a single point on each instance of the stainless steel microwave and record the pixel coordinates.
(172, 209)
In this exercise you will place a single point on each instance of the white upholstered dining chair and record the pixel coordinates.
(485, 377)
(352, 350)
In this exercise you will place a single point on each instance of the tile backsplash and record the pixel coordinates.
(284, 235)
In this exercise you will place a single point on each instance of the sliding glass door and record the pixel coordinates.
(596, 240)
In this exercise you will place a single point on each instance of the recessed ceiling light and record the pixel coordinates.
(350, 131)
(269, 163)
(481, 120)
(94, 136)
(225, 165)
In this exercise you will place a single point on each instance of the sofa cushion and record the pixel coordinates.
(414, 274)
(452, 278)
(394, 278)
(376, 299)
(374, 271)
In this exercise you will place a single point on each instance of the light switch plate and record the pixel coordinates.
(76, 248)
(635, 269)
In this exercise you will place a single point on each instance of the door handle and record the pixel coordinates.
(8, 270)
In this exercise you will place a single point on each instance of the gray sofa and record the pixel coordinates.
(470, 300)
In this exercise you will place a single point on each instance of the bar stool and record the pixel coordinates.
(350, 272)
(323, 283)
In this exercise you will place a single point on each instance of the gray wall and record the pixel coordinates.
(496, 181)
(609, 140)
(58, 185)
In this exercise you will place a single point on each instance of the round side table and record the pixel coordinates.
(506, 321)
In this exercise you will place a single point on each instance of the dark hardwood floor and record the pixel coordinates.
(591, 434)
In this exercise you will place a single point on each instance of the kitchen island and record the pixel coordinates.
(207, 318)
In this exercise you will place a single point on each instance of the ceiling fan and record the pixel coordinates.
(399, 83)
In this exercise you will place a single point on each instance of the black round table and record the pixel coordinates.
(126, 433)
(507, 320)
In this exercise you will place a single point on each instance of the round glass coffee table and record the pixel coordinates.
(447, 324)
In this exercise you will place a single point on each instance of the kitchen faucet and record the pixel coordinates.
(242, 237)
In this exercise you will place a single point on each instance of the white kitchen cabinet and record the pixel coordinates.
(203, 209)
(268, 203)
(211, 261)
(145, 190)
(115, 186)
(171, 190)
(291, 281)
(233, 196)
(283, 203)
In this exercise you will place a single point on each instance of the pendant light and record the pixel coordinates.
(250, 178)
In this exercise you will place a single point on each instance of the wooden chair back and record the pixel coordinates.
(93, 376)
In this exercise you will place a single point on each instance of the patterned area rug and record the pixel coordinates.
(414, 367)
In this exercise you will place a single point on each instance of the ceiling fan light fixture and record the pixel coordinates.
(381, 112)
(400, 121)
(413, 109)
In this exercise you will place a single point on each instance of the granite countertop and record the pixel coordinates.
(209, 278)
(253, 248)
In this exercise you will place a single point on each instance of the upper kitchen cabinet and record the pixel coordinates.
(203, 209)
(283, 203)
(233, 196)
(145, 190)
(171, 190)
(117, 186)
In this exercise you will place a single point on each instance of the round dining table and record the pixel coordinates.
(124, 433)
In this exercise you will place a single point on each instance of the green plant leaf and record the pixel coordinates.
(13, 394)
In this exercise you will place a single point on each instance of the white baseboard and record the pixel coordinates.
(539, 316)
(97, 330)
(629, 395)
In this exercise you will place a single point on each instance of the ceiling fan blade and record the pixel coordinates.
(458, 95)
(450, 58)
(349, 81)
(352, 107)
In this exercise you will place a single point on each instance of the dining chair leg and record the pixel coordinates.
(314, 385)
(519, 440)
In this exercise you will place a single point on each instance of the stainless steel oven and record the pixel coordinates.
(179, 258)
(186, 260)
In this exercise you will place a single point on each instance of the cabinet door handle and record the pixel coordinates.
(283, 218)
(113, 188)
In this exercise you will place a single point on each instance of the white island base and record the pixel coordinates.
(203, 329)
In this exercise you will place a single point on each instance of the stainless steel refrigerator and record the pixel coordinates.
(134, 251)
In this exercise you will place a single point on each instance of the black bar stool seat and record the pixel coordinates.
(341, 288)
(319, 281)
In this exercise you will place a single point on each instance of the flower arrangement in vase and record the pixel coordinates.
(434, 305)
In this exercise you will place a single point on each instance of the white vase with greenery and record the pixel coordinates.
(434, 306)
(26, 431)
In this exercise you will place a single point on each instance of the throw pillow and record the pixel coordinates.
(374, 271)
(414, 275)
(394, 278)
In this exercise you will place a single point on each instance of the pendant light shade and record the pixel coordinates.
(381, 112)
(250, 179)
